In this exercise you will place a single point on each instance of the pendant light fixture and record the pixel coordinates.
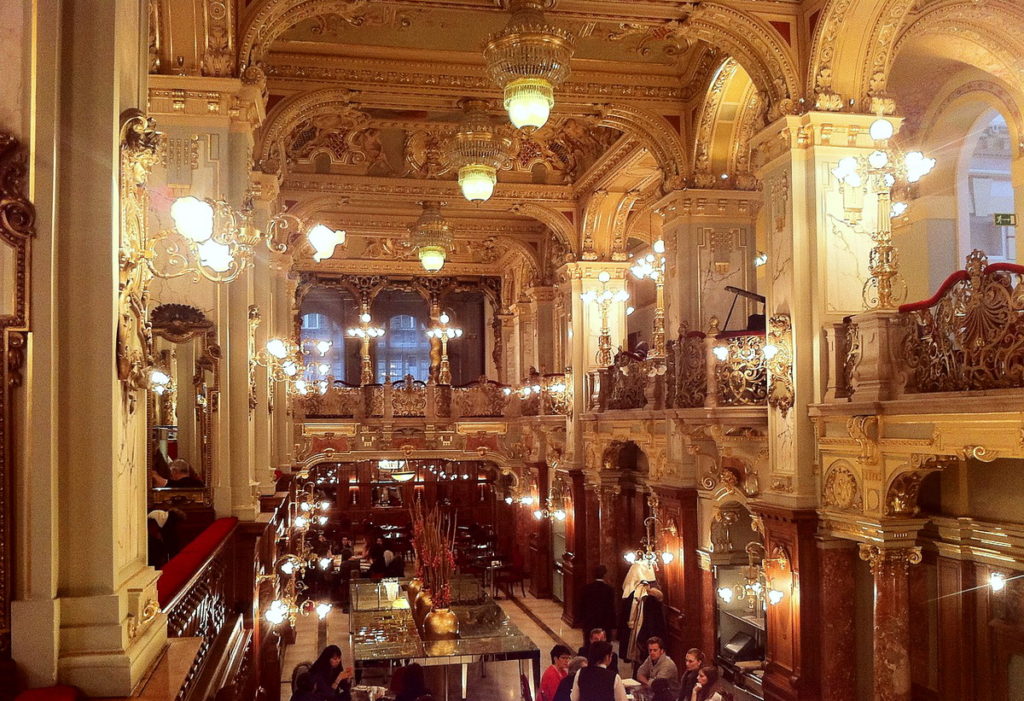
(478, 148)
(431, 236)
(528, 59)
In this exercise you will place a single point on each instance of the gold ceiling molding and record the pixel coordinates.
(557, 223)
(373, 189)
(620, 155)
(657, 135)
(759, 48)
(421, 84)
(284, 118)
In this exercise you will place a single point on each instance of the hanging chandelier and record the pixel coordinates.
(431, 236)
(649, 551)
(528, 59)
(478, 148)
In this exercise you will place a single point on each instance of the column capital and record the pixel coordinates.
(708, 204)
(881, 557)
(205, 100)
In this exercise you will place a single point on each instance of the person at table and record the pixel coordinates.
(407, 684)
(559, 669)
(597, 603)
(565, 686)
(597, 635)
(692, 663)
(331, 682)
(658, 664)
(596, 682)
(182, 476)
(303, 688)
(708, 686)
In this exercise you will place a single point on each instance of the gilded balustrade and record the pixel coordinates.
(970, 334)
(691, 384)
(627, 382)
(740, 372)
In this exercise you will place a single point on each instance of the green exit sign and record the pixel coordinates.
(1005, 219)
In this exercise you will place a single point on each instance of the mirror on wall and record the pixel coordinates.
(184, 395)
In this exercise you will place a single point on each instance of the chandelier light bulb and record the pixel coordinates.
(323, 368)
(529, 102)
(277, 612)
(538, 514)
(288, 567)
(775, 596)
(559, 515)
(603, 276)
(630, 557)
(444, 318)
(918, 165)
(659, 246)
(432, 258)
(770, 350)
(898, 209)
(881, 129)
(215, 256)
(477, 182)
(324, 240)
(301, 387)
(159, 377)
(323, 346)
(726, 594)
(277, 348)
(322, 609)
(997, 580)
(721, 352)
(878, 159)
(509, 500)
(325, 562)
(365, 318)
(290, 368)
(667, 557)
(193, 218)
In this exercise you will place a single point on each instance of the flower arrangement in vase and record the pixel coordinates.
(433, 538)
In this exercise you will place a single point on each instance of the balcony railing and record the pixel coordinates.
(538, 395)
(738, 375)
(969, 336)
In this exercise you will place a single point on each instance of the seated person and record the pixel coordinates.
(182, 476)
(565, 686)
(599, 635)
(658, 665)
(559, 669)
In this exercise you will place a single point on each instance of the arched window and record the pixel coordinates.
(403, 350)
(988, 189)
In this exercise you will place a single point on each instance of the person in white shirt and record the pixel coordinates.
(596, 682)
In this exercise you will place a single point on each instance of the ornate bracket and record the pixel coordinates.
(780, 363)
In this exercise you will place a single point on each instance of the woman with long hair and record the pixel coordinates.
(707, 687)
(331, 682)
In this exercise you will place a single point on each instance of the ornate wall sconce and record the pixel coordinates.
(759, 590)
(778, 355)
(213, 240)
(878, 174)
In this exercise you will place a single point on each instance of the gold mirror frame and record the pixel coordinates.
(17, 228)
(180, 323)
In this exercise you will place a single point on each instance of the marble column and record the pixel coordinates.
(890, 567)
(838, 560)
(708, 640)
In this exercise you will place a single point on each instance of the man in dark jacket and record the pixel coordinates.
(597, 604)
(596, 682)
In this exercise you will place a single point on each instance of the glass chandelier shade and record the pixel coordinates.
(219, 241)
(528, 59)
(478, 148)
(324, 240)
(431, 236)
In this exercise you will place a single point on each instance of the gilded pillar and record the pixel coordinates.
(890, 568)
(545, 327)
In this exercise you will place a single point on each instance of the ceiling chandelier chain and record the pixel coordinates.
(528, 59)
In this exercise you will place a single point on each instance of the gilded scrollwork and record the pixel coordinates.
(742, 378)
(972, 337)
(482, 398)
(842, 489)
(409, 397)
(17, 228)
(691, 375)
(780, 363)
(140, 144)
